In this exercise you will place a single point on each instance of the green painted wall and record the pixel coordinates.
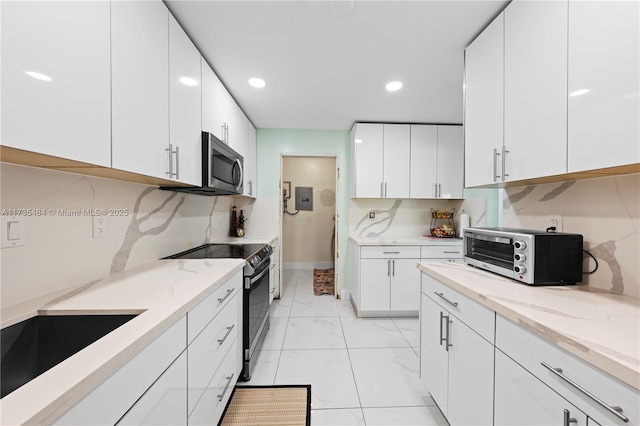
(272, 143)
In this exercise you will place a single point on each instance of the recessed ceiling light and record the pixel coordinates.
(358, 140)
(393, 86)
(579, 92)
(188, 81)
(257, 82)
(38, 76)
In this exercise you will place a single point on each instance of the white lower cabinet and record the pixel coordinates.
(522, 399)
(456, 363)
(388, 280)
(274, 272)
(107, 403)
(165, 402)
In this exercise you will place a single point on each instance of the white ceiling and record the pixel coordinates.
(326, 62)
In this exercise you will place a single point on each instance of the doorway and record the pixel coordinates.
(309, 219)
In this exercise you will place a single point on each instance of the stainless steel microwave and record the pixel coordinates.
(529, 256)
(222, 169)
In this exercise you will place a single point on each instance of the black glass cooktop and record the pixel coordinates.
(217, 251)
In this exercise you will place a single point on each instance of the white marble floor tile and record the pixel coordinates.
(372, 333)
(410, 329)
(328, 371)
(337, 417)
(404, 416)
(316, 306)
(388, 377)
(265, 369)
(314, 333)
(275, 335)
(281, 307)
(345, 308)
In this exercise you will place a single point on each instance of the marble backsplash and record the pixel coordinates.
(60, 250)
(606, 211)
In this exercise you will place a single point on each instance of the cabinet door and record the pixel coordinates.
(375, 276)
(434, 363)
(484, 105)
(212, 102)
(535, 89)
(368, 161)
(470, 377)
(405, 285)
(185, 84)
(604, 58)
(64, 108)
(231, 121)
(522, 399)
(140, 86)
(450, 161)
(165, 402)
(397, 156)
(424, 160)
(250, 162)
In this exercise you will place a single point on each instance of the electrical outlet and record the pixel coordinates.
(372, 215)
(99, 226)
(555, 221)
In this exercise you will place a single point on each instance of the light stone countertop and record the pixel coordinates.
(161, 291)
(597, 326)
(407, 240)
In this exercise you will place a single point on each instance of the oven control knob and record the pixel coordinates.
(520, 245)
(520, 257)
(519, 269)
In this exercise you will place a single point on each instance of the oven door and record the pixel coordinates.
(256, 313)
(490, 252)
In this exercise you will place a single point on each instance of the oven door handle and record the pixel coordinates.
(260, 275)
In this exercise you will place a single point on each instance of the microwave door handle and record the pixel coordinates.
(241, 174)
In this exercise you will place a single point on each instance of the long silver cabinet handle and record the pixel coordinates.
(451, 252)
(441, 295)
(567, 419)
(222, 299)
(448, 334)
(229, 329)
(435, 190)
(505, 151)
(439, 191)
(388, 268)
(496, 154)
(617, 411)
(390, 252)
(221, 396)
(442, 316)
(381, 189)
(177, 152)
(393, 270)
(170, 151)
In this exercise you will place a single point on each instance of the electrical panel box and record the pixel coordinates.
(304, 198)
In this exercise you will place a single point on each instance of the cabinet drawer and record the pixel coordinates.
(217, 392)
(206, 352)
(202, 314)
(440, 252)
(390, 252)
(530, 351)
(479, 318)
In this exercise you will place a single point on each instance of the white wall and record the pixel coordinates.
(307, 235)
(605, 211)
(61, 253)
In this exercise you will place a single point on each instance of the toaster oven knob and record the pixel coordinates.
(520, 245)
(520, 257)
(520, 269)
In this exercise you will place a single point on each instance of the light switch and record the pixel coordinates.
(13, 230)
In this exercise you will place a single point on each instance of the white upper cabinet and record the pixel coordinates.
(424, 161)
(248, 136)
(436, 161)
(450, 161)
(535, 89)
(604, 77)
(484, 105)
(56, 79)
(397, 156)
(368, 160)
(140, 87)
(185, 84)
(231, 114)
(212, 102)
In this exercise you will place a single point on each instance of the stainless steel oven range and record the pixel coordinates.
(255, 313)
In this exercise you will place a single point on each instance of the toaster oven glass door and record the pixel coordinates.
(496, 251)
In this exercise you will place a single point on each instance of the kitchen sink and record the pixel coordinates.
(37, 344)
